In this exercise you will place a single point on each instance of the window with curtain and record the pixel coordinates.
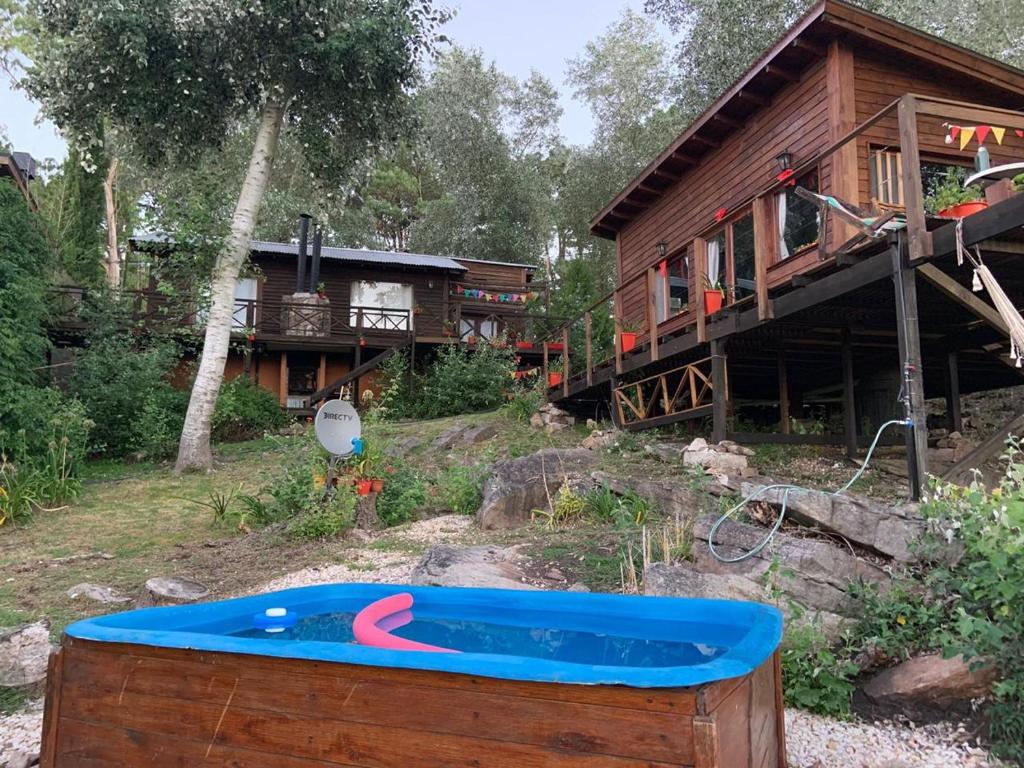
(798, 219)
(380, 296)
(716, 261)
(743, 257)
(677, 284)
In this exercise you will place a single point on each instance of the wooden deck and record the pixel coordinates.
(129, 705)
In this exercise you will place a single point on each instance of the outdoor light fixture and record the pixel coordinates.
(662, 247)
(785, 161)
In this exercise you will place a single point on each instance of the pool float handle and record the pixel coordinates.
(366, 631)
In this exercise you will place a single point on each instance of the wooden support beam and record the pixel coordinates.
(963, 296)
(784, 415)
(904, 277)
(706, 141)
(684, 158)
(656, 191)
(545, 360)
(749, 96)
(700, 260)
(913, 191)
(321, 374)
(782, 73)
(765, 245)
(993, 446)
(617, 312)
(984, 225)
(806, 45)
(719, 392)
(849, 399)
(282, 380)
(588, 329)
(839, 84)
(726, 121)
(661, 173)
(954, 416)
(652, 312)
(566, 368)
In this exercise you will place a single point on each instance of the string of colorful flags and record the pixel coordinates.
(501, 298)
(964, 133)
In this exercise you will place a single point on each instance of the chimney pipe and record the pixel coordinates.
(300, 272)
(314, 269)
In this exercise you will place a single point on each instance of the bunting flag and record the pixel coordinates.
(500, 298)
(964, 133)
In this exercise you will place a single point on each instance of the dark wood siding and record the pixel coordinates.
(797, 120)
(498, 275)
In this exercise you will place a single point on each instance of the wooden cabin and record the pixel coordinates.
(20, 168)
(306, 336)
(846, 104)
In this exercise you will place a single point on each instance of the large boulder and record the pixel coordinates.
(518, 486)
(886, 529)
(24, 652)
(678, 499)
(448, 566)
(449, 437)
(929, 684)
(814, 572)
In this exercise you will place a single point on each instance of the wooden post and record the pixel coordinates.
(588, 326)
(282, 380)
(617, 313)
(908, 336)
(321, 374)
(913, 193)
(953, 413)
(849, 401)
(765, 234)
(700, 260)
(652, 312)
(357, 360)
(719, 391)
(544, 365)
(839, 83)
(783, 393)
(565, 361)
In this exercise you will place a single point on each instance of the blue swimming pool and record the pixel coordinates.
(564, 637)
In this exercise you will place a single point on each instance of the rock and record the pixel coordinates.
(671, 497)
(671, 452)
(449, 437)
(554, 426)
(816, 573)
(883, 528)
(591, 424)
(24, 652)
(98, 593)
(748, 472)
(447, 566)
(699, 444)
(553, 574)
(475, 435)
(963, 447)
(537, 421)
(403, 447)
(22, 760)
(943, 454)
(929, 682)
(518, 486)
(598, 439)
(712, 460)
(955, 436)
(579, 586)
(171, 590)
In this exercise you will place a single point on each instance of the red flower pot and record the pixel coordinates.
(963, 210)
(363, 487)
(628, 340)
(555, 346)
(524, 345)
(554, 379)
(377, 484)
(251, 337)
(712, 302)
(362, 342)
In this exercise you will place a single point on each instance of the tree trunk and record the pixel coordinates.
(194, 448)
(113, 253)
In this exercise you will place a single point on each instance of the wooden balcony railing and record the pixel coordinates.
(653, 334)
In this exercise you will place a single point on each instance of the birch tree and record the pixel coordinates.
(175, 76)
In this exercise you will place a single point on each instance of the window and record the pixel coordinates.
(486, 328)
(715, 277)
(885, 169)
(375, 299)
(743, 257)
(673, 286)
(798, 219)
(245, 304)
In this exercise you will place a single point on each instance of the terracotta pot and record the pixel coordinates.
(555, 346)
(963, 210)
(628, 340)
(712, 302)
(377, 484)
(251, 337)
(554, 379)
(362, 342)
(524, 345)
(471, 340)
(363, 487)
(321, 295)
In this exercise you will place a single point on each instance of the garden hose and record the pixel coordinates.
(786, 488)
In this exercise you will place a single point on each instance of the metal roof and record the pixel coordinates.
(361, 255)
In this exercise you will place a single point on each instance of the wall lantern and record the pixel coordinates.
(662, 247)
(785, 162)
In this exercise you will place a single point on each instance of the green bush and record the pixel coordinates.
(245, 410)
(460, 489)
(404, 494)
(815, 677)
(523, 404)
(124, 383)
(326, 519)
(457, 381)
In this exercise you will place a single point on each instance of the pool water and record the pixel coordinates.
(474, 636)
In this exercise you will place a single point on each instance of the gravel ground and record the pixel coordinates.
(813, 742)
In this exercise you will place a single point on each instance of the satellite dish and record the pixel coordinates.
(338, 427)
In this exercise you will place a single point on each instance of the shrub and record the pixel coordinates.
(460, 489)
(566, 507)
(245, 410)
(816, 678)
(405, 492)
(523, 404)
(626, 511)
(326, 519)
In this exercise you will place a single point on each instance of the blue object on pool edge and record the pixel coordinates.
(746, 633)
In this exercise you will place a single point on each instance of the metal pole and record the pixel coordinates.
(300, 271)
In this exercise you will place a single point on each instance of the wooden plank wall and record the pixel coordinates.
(882, 78)
(796, 119)
(489, 273)
(117, 705)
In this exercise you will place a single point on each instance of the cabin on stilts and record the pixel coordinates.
(780, 257)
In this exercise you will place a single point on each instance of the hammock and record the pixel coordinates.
(872, 226)
(985, 280)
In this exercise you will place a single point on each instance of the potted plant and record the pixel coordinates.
(628, 336)
(363, 486)
(362, 341)
(377, 484)
(321, 289)
(714, 294)
(952, 200)
(524, 345)
(554, 378)
(471, 339)
(448, 328)
(250, 334)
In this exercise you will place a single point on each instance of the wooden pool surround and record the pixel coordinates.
(110, 704)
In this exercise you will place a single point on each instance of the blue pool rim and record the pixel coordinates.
(163, 627)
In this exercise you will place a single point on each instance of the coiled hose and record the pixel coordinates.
(786, 488)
